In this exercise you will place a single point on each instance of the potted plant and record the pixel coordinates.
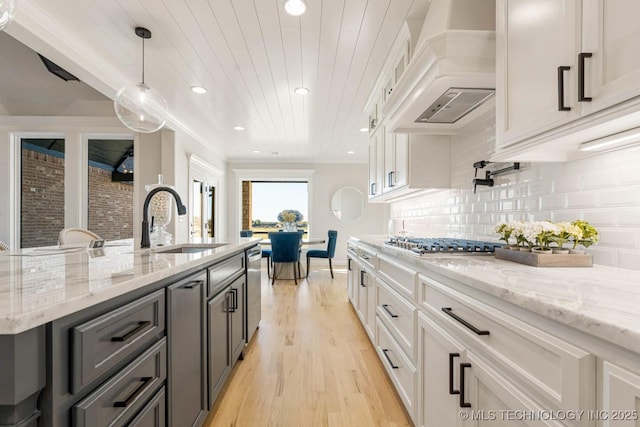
(289, 218)
(587, 236)
(524, 234)
(504, 230)
(565, 232)
(543, 230)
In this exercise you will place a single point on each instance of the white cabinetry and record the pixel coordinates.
(376, 157)
(566, 73)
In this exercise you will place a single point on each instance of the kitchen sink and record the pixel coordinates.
(188, 248)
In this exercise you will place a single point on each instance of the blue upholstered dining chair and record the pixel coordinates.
(266, 253)
(285, 248)
(328, 253)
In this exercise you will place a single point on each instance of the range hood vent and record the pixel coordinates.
(454, 104)
(451, 73)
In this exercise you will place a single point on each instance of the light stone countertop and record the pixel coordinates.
(39, 285)
(601, 301)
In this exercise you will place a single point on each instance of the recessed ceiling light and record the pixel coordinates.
(364, 130)
(301, 90)
(295, 7)
(351, 152)
(256, 151)
(198, 89)
(238, 128)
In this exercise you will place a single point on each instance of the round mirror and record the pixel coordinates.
(348, 204)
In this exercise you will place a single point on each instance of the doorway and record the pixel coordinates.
(203, 210)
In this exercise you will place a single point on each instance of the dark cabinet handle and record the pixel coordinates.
(365, 257)
(390, 179)
(386, 351)
(234, 303)
(349, 264)
(448, 311)
(193, 284)
(373, 188)
(146, 381)
(581, 57)
(561, 70)
(463, 404)
(132, 333)
(451, 357)
(386, 308)
(362, 273)
(230, 304)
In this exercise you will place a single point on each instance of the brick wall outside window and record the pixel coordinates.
(42, 205)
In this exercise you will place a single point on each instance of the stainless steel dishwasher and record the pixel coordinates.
(253, 294)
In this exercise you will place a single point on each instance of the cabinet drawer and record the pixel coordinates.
(400, 316)
(117, 400)
(220, 273)
(153, 413)
(367, 258)
(400, 278)
(402, 372)
(105, 341)
(559, 372)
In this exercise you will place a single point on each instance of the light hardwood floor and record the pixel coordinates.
(310, 363)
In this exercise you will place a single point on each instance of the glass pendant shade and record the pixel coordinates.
(141, 108)
(7, 12)
(295, 7)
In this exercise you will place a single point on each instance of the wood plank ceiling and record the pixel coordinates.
(250, 55)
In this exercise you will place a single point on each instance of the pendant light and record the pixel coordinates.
(140, 107)
(7, 12)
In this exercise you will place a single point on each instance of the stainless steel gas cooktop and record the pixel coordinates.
(427, 246)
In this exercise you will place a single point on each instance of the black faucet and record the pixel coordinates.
(145, 243)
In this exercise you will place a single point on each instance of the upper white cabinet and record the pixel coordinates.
(404, 163)
(566, 73)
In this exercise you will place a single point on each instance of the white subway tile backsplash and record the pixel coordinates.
(629, 217)
(565, 184)
(620, 196)
(603, 189)
(599, 178)
(582, 199)
(629, 259)
(553, 201)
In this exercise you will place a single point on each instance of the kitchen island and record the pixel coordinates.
(496, 334)
(78, 326)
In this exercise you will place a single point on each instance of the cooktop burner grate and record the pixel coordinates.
(424, 246)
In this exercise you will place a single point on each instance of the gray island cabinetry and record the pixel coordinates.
(155, 355)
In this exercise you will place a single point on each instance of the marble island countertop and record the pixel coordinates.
(601, 301)
(39, 285)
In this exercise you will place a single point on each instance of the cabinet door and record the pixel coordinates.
(218, 342)
(534, 38)
(401, 160)
(494, 401)
(362, 296)
(187, 388)
(438, 368)
(374, 184)
(237, 319)
(352, 281)
(611, 35)
(370, 326)
(620, 396)
(389, 162)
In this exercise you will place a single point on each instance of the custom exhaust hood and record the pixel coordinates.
(451, 75)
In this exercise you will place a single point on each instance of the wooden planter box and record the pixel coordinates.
(545, 260)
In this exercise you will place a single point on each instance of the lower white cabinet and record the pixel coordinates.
(619, 402)
(439, 391)
(352, 280)
(366, 304)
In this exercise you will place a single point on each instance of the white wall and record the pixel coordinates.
(603, 189)
(325, 180)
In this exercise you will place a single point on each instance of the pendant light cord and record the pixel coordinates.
(143, 60)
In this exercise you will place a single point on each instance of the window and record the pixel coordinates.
(110, 188)
(42, 191)
(264, 200)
